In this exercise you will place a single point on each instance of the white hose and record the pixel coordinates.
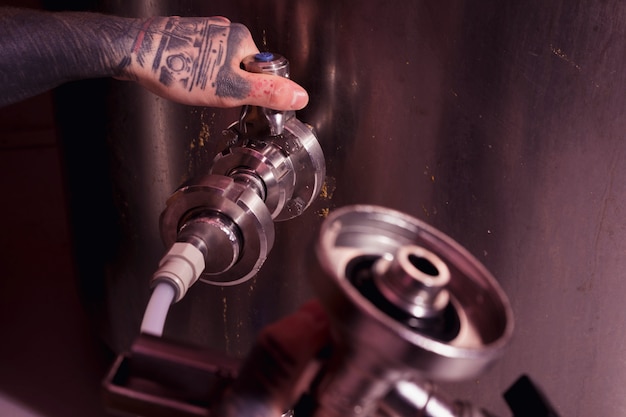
(156, 312)
(178, 270)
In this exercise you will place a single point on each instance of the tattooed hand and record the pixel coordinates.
(191, 60)
(197, 61)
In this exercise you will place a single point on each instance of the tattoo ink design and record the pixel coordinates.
(229, 84)
(139, 47)
(191, 68)
(192, 53)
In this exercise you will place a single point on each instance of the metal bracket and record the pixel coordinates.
(166, 379)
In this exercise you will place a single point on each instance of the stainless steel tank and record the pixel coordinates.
(501, 123)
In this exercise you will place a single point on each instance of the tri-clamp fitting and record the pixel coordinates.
(274, 151)
(272, 170)
(405, 303)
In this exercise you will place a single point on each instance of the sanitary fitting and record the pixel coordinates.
(226, 218)
(272, 170)
(260, 121)
(276, 148)
(405, 302)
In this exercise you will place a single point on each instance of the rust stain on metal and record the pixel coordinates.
(328, 188)
(326, 193)
(205, 131)
(204, 135)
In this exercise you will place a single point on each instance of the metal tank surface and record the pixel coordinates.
(500, 123)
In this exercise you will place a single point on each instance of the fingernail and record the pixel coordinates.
(299, 100)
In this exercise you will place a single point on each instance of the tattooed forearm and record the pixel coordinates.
(40, 50)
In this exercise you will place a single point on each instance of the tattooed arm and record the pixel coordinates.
(191, 60)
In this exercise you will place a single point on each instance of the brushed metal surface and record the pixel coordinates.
(499, 122)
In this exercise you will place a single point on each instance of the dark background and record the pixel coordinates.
(51, 361)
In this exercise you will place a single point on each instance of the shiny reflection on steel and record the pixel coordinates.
(424, 399)
(379, 340)
(281, 150)
(291, 166)
(414, 280)
(217, 237)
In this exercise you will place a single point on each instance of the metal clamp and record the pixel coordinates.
(246, 235)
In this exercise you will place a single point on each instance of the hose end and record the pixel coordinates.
(180, 267)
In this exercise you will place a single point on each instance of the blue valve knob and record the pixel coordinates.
(264, 57)
(267, 63)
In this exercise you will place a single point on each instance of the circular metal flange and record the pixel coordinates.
(360, 235)
(291, 166)
(307, 159)
(271, 166)
(240, 204)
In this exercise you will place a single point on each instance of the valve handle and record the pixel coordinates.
(262, 121)
(267, 63)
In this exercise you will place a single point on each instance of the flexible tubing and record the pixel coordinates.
(156, 312)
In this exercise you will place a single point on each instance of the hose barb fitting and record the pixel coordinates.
(180, 267)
